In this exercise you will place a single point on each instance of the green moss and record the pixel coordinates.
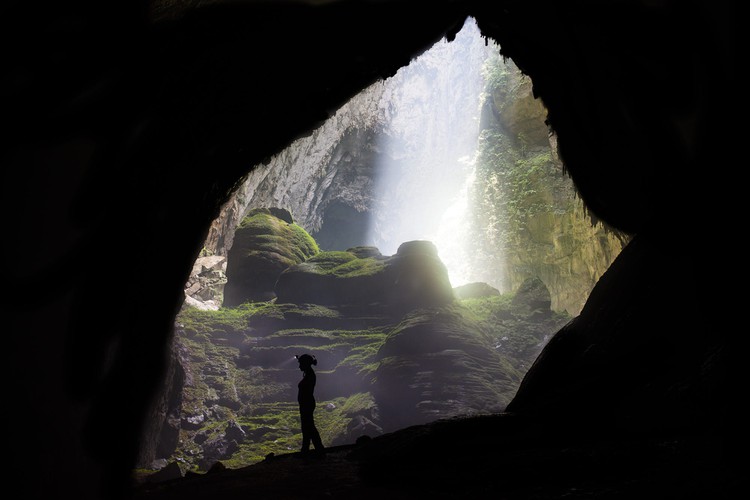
(359, 403)
(343, 265)
(330, 420)
(360, 267)
(227, 319)
(257, 385)
(324, 262)
(275, 428)
(310, 310)
(487, 308)
(513, 332)
(265, 233)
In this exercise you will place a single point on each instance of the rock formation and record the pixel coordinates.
(265, 244)
(413, 277)
(394, 344)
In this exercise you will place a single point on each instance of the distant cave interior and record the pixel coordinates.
(159, 120)
(343, 227)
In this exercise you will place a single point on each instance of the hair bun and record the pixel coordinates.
(308, 359)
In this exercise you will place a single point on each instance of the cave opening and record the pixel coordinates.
(450, 160)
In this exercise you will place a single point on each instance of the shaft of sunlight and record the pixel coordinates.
(426, 155)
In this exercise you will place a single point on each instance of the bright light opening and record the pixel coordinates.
(426, 153)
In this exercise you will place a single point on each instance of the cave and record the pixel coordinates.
(128, 126)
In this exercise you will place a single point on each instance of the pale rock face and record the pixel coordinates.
(307, 175)
(209, 263)
(205, 287)
(405, 121)
(208, 305)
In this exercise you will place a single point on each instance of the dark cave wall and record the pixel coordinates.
(110, 117)
(113, 121)
(622, 78)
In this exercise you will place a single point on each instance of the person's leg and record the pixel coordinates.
(308, 425)
(314, 434)
(315, 437)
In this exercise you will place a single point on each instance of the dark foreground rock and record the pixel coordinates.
(493, 456)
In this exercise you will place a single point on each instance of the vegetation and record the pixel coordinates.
(514, 332)
(243, 375)
(228, 319)
(263, 232)
(343, 265)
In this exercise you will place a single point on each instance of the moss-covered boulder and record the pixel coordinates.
(439, 363)
(420, 277)
(414, 277)
(266, 243)
(334, 278)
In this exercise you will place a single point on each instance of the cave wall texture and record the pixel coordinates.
(125, 133)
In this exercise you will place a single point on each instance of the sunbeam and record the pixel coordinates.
(425, 165)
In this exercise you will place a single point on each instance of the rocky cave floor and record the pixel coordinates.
(493, 456)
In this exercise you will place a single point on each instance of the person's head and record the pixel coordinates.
(306, 361)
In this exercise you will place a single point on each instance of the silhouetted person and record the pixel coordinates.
(306, 400)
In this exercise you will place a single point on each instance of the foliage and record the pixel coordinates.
(496, 74)
(508, 191)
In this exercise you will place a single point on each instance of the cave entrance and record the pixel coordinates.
(454, 151)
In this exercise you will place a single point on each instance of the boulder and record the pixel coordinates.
(234, 431)
(475, 291)
(436, 364)
(169, 472)
(361, 426)
(218, 448)
(266, 242)
(420, 277)
(414, 277)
